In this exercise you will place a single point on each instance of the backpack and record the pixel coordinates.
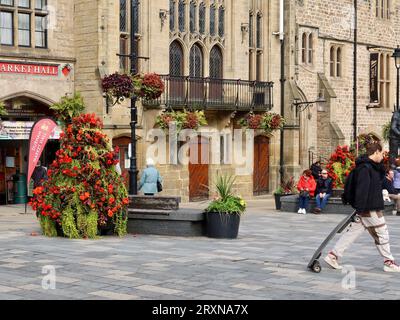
(349, 194)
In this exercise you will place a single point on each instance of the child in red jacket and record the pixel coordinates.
(306, 187)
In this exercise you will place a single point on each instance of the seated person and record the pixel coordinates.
(323, 191)
(393, 195)
(306, 186)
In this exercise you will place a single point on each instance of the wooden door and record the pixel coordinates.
(261, 165)
(198, 169)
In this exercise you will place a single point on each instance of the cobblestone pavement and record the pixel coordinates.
(267, 261)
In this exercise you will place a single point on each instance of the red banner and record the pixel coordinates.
(36, 69)
(40, 133)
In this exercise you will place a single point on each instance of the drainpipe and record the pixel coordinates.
(282, 81)
(355, 75)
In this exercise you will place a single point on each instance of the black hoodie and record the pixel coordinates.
(368, 196)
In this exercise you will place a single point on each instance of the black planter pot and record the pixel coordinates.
(107, 230)
(278, 203)
(222, 225)
(60, 232)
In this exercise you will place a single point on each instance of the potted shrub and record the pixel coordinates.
(286, 188)
(223, 213)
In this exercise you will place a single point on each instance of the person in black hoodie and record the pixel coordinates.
(369, 205)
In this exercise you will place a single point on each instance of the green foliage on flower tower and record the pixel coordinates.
(3, 111)
(84, 193)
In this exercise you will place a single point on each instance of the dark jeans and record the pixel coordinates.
(321, 202)
(303, 202)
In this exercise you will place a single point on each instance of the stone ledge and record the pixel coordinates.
(334, 206)
(179, 223)
(154, 202)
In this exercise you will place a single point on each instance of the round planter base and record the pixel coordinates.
(222, 225)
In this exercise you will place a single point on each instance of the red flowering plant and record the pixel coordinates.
(183, 119)
(118, 87)
(267, 121)
(340, 164)
(84, 193)
(363, 140)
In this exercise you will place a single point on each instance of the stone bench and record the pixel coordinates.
(162, 216)
(335, 205)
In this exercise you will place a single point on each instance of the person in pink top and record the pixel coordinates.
(306, 187)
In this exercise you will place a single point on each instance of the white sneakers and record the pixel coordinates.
(332, 261)
(302, 211)
(390, 266)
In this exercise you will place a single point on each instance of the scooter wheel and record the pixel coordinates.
(316, 266)
(357, 219)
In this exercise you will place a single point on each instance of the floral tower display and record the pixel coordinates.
(84, 195)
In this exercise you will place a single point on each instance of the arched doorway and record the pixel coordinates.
(198, 169)
(261, 165)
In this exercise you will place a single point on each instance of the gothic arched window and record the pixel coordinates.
(193, 18)
(216, 63)
(175, 59)
(196, 61)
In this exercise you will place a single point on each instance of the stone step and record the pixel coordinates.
(181, 214)
(154, 202)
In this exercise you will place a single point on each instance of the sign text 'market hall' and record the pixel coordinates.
(35, 69)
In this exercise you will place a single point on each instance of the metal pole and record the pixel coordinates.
(398, 78)
(133, 59)
(355, 75)
(282, 80)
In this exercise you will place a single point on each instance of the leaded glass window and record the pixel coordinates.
(221, 22)
(202, 18)
(123, 16)
(216, 63)
(40, 4)
(196, 61)
(136, 16)
(175, 59)
(181, 11)
(24, 3)
(193, 20)
(212, 20)
(259, 31)
(7, 2)
(171, 15)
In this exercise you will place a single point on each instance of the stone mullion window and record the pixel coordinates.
(28, 22)
(213, 20)
(339, 62)
(333, 61)
(202, 18)
(221, 21)
(193, 17)
(304, 48)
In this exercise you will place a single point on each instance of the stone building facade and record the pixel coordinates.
(227, 50)
(321, 54)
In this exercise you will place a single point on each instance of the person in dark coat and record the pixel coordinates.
(369, 207)
(323, 191)
(39, 175)
(316, 170)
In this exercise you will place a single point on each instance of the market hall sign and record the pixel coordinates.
(35, 69)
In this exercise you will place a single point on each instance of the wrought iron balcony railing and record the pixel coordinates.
(214, 94)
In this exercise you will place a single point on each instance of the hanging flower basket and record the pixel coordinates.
(149, 87)
(119, 87)
(183, 120)
(268, 122)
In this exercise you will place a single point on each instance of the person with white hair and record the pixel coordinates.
(150, 181)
